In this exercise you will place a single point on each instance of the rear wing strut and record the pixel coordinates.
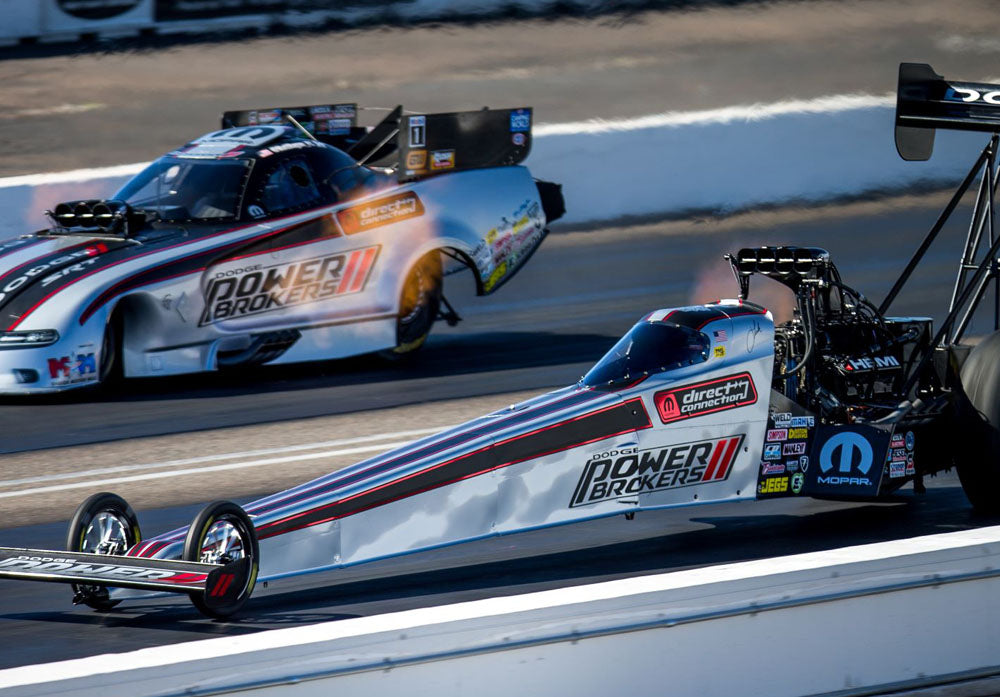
(416, 146)
(926, 101)
(221, 584)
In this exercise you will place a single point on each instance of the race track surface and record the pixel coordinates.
(579, 293)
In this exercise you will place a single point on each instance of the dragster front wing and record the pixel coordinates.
(220, 583)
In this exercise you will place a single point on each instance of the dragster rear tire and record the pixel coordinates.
(99, 515)
(978, 414)
(218, 520)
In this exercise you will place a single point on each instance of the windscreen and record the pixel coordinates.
(648, 348)
(181, 189)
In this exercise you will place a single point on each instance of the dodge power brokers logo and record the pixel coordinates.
(630, 471)
(260, 289)
(685, 402)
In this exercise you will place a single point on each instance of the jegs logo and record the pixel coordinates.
(630, 471)
(267, 288)
(686, 402)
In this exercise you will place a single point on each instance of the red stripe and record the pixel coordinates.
(362, 275)
(261, 530)
(710, 472)
(727, 459)
(229, 582)
(346, 279)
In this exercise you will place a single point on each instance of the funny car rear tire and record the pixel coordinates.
(103, 524)
(111, 372)
(419, 304)
(978, 415)
(222, 533)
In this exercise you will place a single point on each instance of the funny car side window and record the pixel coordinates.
(288, 187)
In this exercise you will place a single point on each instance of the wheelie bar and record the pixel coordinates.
(219, 583)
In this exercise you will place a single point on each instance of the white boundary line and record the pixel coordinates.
(730, 114)
(97, 476)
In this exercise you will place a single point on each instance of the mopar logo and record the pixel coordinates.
(847, 451)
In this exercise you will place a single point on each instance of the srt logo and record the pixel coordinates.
(853, 451)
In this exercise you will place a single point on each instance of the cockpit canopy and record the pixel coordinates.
(649, 348)
(247, 174)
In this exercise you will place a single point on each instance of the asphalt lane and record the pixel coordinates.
(39, 624)
(579, 293)
(108, 107)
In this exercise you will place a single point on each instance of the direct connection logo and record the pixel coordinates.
(630, 471)
(379, 212)
(685, 402)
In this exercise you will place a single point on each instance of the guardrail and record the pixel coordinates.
(852, 621)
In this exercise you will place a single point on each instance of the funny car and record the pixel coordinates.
(292, 234)
(695, 405)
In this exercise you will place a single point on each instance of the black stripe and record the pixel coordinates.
(580, 430)
(339, 481)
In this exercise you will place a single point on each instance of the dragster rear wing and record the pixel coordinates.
(926, 101)
(417, 146)
(219, 583)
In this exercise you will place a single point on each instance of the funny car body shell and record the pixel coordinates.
(329, 277)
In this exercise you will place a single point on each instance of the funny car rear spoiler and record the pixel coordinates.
(926, 101)
(219, 583)
(417, 146)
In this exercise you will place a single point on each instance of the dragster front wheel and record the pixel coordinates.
(103, 524)
(223, 533)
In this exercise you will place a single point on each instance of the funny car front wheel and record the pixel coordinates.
(103, 524)
(223, 533)
(419, 304)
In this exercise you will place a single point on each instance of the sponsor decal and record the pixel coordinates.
(268, 288)
(382, 211)
(777, 434)
(910, 469)
(719, 351)
(910, 440)
(798, 433)
(851, 455)
(802, 421)
(520, 121)
(627, 472)
(898, 454)
(772, 451)
(967, 94)
(518, 139)
(793, 449)
(85, 255)
(76, 368)
(498, 273)
(256, 211)
(782, 419)
(344, 111)
(720, 335)
(418, 131)
(772, 468)
(416, 159)
(792, 465)
(804, 463)
(442, 159)
(897, 470)
(720, 394)
(774, 485)
(863, 365)
(73, 567)
(265, 117)
(897, 441)
(797, 481)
